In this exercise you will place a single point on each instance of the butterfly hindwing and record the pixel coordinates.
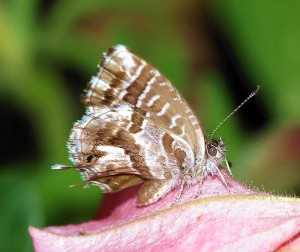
(121, 141)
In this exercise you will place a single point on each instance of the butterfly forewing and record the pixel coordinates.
(123, 77)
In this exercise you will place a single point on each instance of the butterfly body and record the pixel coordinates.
(139, 130)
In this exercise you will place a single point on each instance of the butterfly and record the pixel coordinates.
(138, 129)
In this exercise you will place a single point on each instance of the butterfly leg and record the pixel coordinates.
(183, 182)
(152, 190)
(180, 191)
(200, 183)
(223, 179)
(228, 167)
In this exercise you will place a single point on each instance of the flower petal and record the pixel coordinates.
(239, 220)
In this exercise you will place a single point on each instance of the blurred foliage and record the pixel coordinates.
(213, 51)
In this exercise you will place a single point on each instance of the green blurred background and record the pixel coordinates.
(214, 52)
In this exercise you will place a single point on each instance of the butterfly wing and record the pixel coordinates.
(118, 147)
(123, 77)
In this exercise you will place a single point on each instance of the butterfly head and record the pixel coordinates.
(215, 154)
(215, 150)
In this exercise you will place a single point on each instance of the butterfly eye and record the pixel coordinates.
(89, 158)
(213, 143)
(212, 150)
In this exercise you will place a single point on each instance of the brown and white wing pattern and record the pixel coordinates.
(107, 143)
(124, 77)
(113, 151)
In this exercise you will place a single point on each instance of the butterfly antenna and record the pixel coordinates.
(254, 92)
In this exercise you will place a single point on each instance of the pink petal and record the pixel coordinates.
(239, 220)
